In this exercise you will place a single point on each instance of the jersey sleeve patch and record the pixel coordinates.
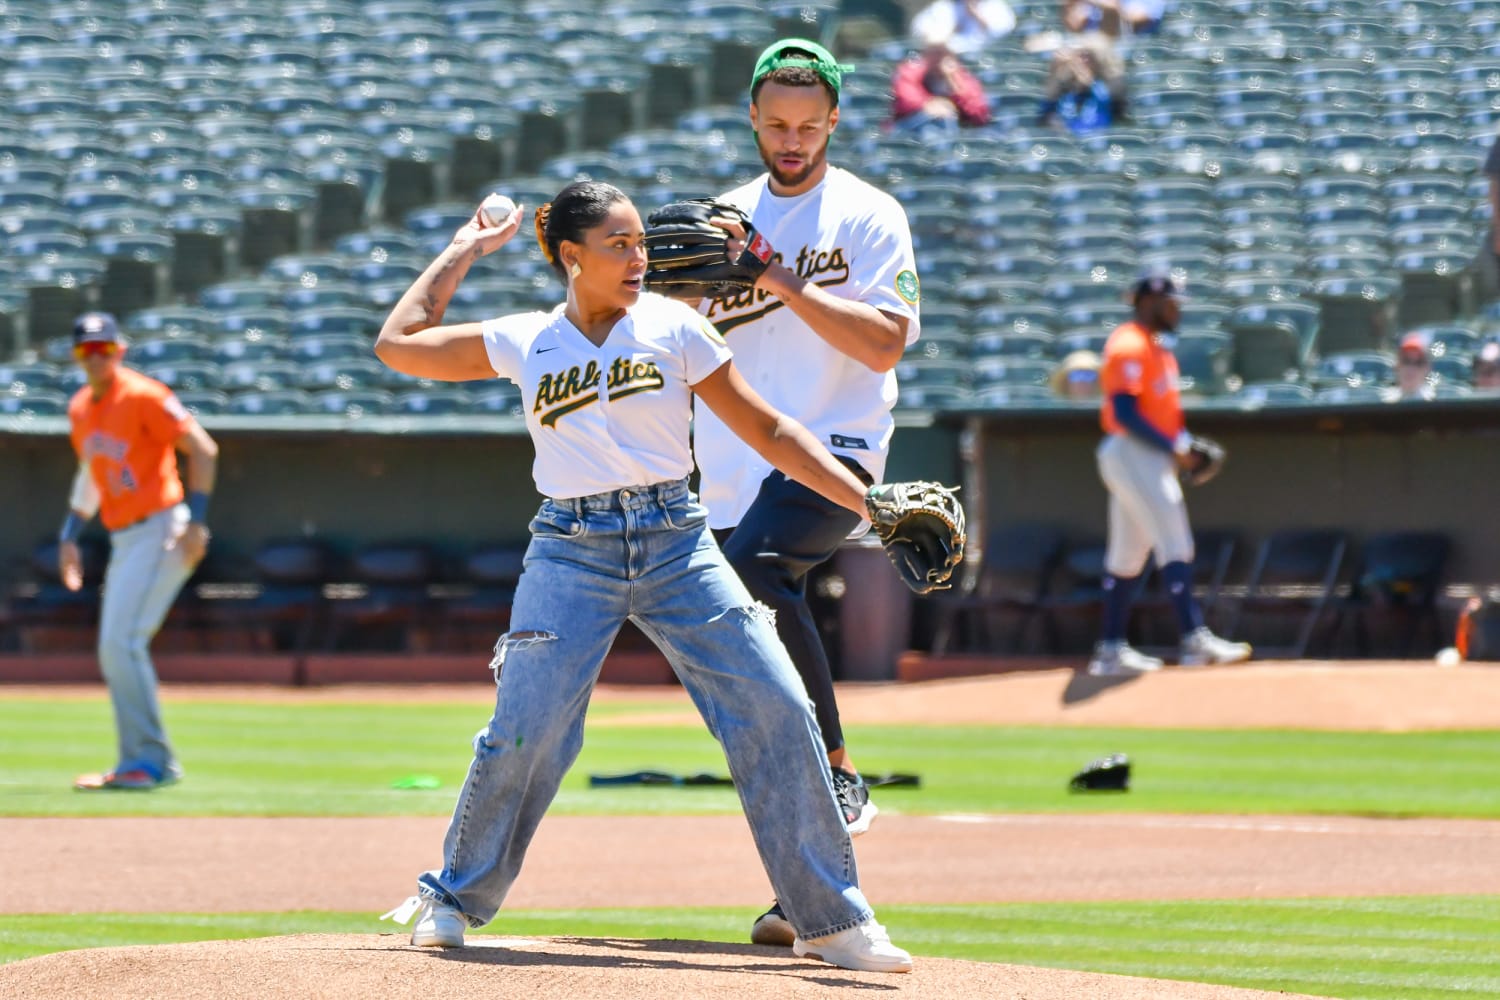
(908, 287)
(711, 331)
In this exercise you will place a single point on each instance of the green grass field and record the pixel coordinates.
(342, 759)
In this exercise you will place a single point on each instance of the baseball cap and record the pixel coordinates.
(96, 328)
(1416, 343)
(790, 52)
(1158, 282)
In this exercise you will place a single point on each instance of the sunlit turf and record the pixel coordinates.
(342, 759)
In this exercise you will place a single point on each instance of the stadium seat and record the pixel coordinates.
(33, 404)
(185, 375)
(1272, 339)
(257, 349)
(1038, 345)
(1436, 286)
(1204, 361)
(169, 321)
(171, 350)
(313, 348)
(363, 322)
(985, 372)
(1355, 368)
(437, 400)
(1351, 395)
(1356, 313)
(354, 404)
(1259, 395)
(204, 402)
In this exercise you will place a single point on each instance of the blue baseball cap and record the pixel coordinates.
(96, 328)
(1158, 282)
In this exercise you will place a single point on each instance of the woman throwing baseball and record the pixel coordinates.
(607, 378)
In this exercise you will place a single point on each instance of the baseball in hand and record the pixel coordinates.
(495, 209)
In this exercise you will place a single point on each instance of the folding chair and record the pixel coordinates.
(1295, 574)
(1015, 573)
(1398, 581)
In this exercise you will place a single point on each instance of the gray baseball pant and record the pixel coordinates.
(141, 581)
(1146, 508)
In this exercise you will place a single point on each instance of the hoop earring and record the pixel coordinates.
(575, 270)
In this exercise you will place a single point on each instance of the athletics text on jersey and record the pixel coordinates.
(613, 416)
(853, 241)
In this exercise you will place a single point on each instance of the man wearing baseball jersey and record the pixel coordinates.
(818, 338)
(126, 431)
(1145, 444)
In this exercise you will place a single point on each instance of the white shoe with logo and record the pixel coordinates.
(1201, 648)
(866, 948)
(438, 924)
(1115, 658)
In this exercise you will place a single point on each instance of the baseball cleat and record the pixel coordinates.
(135, 779)
(1201, 648)
(772, 928)
(854, 801)
(866, 948)
(1115, 658)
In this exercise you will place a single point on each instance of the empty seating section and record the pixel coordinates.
(251, 187)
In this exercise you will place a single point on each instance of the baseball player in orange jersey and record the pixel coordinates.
(1145, 444)
(126, 431)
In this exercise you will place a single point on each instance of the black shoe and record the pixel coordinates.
(854, 799)
(772, 928)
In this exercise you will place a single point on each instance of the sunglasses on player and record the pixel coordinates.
(95, 348)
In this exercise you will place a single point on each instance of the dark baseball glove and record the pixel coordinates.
(921, 526)
(1107, 774)
(1205, 458)
(687, 256)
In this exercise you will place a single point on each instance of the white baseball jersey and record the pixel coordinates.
(608, 417)
(852, 240)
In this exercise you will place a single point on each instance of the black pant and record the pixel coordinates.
(788, 531)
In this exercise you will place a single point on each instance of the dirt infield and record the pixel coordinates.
(245, 864)
(349, 966)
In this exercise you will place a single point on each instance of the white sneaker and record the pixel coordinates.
(438, 924)
(866, 948)
(1115, 658)
(1201, 648)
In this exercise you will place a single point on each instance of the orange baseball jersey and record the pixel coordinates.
(126, 439)
(1138, 366)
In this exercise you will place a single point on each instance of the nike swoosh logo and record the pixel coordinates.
(544, 350)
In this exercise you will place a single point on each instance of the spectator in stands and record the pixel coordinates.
(934, 95)
(1076, 379)
(1486, 372)
(1085, 88)
(969, 25)
(1114, 17)
(1413, 370)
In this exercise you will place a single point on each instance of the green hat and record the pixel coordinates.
(829, 69)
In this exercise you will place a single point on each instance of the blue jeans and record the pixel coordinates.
(646, 555)
(787, 532)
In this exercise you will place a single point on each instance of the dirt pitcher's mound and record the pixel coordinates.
(349, 965)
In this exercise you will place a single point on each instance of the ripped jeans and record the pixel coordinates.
(646, 555)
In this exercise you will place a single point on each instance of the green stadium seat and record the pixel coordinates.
(1272, 340)
(1358, 313)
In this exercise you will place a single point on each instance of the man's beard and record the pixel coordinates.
(785, 179)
